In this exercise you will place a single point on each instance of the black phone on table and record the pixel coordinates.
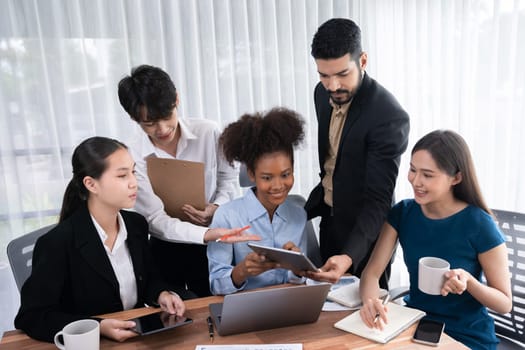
(428, 332)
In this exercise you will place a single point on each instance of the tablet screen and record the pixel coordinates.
(157, 322)
(287, 258)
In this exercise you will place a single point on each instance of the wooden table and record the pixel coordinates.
(318, 335)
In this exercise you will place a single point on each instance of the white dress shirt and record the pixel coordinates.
(199, 143)
(121, 263)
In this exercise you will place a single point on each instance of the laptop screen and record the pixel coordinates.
(269, 308)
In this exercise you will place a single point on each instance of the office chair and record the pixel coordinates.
(20, 254)
(510, 327)
(312, 244)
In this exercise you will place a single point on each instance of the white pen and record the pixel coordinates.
(385, 301)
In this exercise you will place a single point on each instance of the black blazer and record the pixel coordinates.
(374, 136)
(72, 277)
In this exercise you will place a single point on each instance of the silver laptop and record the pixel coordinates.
(269, 308)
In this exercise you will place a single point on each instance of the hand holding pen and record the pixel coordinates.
(377, 317)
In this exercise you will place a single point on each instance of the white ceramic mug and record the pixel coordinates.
(431, 274)
(79, 335)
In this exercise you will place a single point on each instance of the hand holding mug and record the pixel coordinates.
(456, 282)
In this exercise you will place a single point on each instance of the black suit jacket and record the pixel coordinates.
(375, 134)
(72, 277)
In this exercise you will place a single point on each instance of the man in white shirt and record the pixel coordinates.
(150, 98)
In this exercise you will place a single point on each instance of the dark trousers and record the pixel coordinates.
(330, 245)
(183, 266)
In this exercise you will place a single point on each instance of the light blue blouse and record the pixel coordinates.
(288, 224)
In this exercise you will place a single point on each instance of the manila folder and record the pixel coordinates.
(177, 182)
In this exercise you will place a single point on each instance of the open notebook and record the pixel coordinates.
(399, 319)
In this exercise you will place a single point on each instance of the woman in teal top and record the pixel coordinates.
(449, 219)
(265, 144)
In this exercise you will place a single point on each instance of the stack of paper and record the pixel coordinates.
(348, 295)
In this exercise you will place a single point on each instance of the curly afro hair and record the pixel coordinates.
(253, 135)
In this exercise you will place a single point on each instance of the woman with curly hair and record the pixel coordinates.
(265, 144)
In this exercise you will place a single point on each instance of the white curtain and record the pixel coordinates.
(452, 64)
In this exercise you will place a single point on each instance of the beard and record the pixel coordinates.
(342, 96)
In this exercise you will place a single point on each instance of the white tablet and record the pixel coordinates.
(288, 259)
(157, 322)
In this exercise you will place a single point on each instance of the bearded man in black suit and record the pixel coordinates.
(362, 132)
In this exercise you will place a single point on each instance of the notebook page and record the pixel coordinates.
(399, 319)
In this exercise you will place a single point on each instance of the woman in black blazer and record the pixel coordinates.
(97, 259)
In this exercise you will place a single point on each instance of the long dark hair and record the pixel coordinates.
(452, 155)
(89, 159)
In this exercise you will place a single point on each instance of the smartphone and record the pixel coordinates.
(428, 332)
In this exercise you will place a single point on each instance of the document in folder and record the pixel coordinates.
(177, 182)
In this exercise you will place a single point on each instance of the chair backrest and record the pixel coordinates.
(244, 179)
(312, 244)
(511, 325)
(20, 254)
